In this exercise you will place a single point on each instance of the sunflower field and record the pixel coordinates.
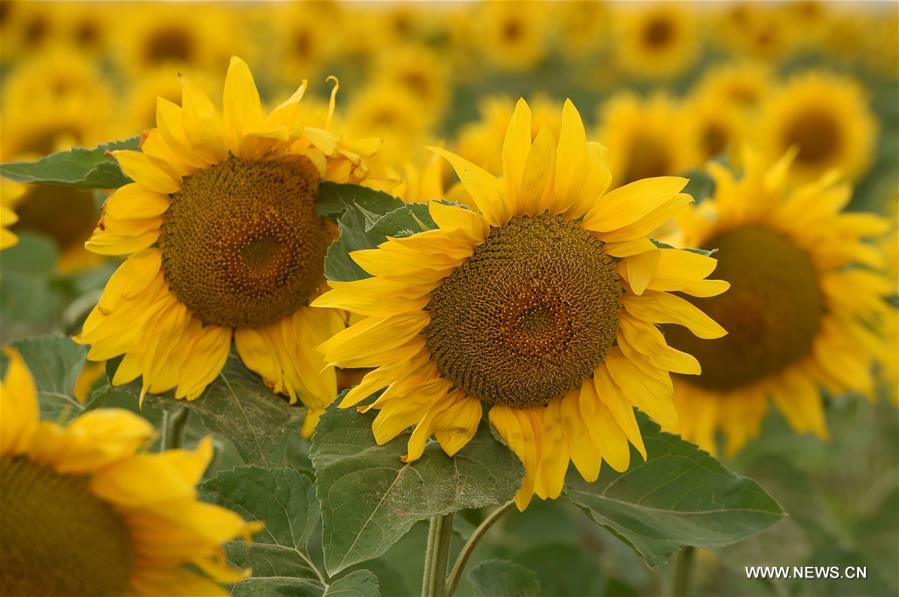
(478, 298)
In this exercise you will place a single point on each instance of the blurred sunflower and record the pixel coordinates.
(657, 41)
(753, 30)
(421, 72)
(714, 127)
(541, 305)
(52, 103)
(121, 521)
(27, 28)
(392, 114)
(582, 27)
(224, 242)
(481, 142)
(303, 46)
(836, 132)
(143, 93)
(649, 136)
(84, 28)
(193, 36)
(511, 35)
(741, 85)
(803, 285)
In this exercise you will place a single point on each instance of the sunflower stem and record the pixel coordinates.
(440, 534)
(683, 572)
(172, 429)
(455, 576)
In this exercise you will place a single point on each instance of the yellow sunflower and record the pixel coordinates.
(658, 41)
(648, 135)
(418, 70)
(714, 128)
(756, 31)
(741, 85)
(803, 285)
(303, 46)
(582, 27)
(837, 133)
(193, 36)
(224, 242)
(540, 305)
(87, 512)
(27, 28)
(511, 35)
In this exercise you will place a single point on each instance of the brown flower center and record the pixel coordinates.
(772, 311)
(58, 538)
(818, 136)
(241, 242)
(529, 316)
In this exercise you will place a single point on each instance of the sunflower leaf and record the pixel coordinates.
(680, 496)
(502, 578)
(78, 167)
(370, 498)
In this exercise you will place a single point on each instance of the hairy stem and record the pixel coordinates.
(683, 572)
(440, 534)
(455, 576)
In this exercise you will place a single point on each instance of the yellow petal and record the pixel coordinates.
(662, 307)
(571, 159)
(516, 145)
(539, 172)
(241, 107)
(134, 201)
(554, 455)
(586, 456)
(484, 188)
(628, 204)
(19, 411)
(516, 428)
(639, 269)
(150, 172)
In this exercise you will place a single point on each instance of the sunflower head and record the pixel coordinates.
(224, 242)
(836, 134)
(539, 304)
(805, 287)
(124, 521)
(657, 41)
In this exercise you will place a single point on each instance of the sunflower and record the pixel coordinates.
(803, 286)
(837, 133)
(656, 42)
(86, 512)
(53, 103)
(27, 29)
(511, 35)
(582, 27)
(540, 305)
(741, 85)
(418, 70)
(145, 91)
(393, 114)
(195, 37)
(755, 31)
(714, 127)
(647, 134)
(224, 242)
(303, 45)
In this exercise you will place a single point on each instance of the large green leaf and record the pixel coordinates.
(502, 578)
(261, 424)
(370, 498)
(679, 496)
(79, 167)
(55, 362)
(284, 499)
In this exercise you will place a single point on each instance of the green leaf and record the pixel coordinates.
(370, 498)
(261, 424)
(407, 220)
(277, 585)
(334, 199)
(79, 167)
(55, 363)
(664, 245)
(564, 569)
(502, 578)
(360, 583)
(284, 499)
(338, 264)
(679, 496)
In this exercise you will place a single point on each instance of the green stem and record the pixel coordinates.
(440, 535)
(455, 576)
(172, 429)
(683, 572)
